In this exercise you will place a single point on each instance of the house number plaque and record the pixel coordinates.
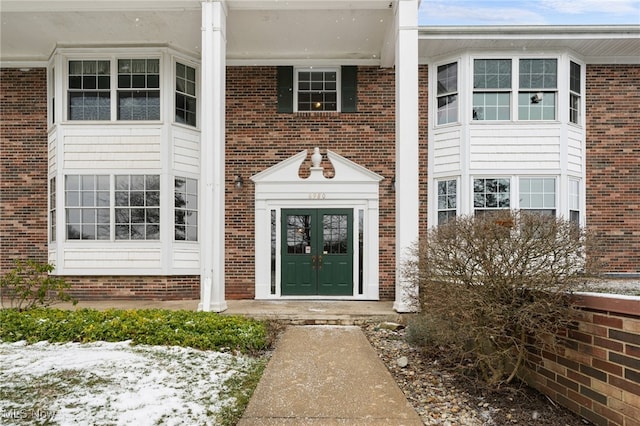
(317, 195)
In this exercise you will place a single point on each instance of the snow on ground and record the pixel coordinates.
(113, 383)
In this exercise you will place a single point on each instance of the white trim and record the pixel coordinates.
(280, 187)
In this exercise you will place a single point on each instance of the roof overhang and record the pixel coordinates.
(595, 44)
(258, 32)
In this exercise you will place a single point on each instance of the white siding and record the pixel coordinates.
(53, 146)
(116, 259)
(186, 151)
(575, 151)
(112, 148)
(447, 151)
(515, 148)
(186, 258)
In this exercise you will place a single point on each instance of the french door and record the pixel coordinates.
(317, 252)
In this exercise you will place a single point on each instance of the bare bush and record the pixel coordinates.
(29, 285)
(498, 282)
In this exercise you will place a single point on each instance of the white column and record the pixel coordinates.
(212, 143)
(407, 201)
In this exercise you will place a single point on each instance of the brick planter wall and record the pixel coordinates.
(596, 371)
(613, 162)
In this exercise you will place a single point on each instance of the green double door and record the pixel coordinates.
(317, 252)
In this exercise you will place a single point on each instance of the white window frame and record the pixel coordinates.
(537, 95)
(573, 94)
(187, 209)
(474, 209)
(446, 95)
(545, 195)
(446, 180)
(336, 69)
(113, 85)
(174, 90)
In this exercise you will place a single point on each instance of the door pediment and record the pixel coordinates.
(287, 172)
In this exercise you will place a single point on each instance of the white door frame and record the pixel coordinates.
(280, 187)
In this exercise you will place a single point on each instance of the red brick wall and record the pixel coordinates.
(258, 137)
(613, 162)
(595, 371)
(423, 107)
(132, 287)
(23, 166)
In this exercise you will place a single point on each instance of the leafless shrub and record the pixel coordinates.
(498, 282)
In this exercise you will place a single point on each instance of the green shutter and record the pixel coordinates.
(285, 89)
(349, 89)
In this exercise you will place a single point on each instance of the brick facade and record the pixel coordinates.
(259, 137)
(613, 162)
(595, 371)
(134, 287)
(23, 165)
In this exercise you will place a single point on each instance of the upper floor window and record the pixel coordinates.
(492, 89)
(574, 92)
(186, 99)
(138, 89)
(134, 83)
(89, 90)
(448, 93)
(538, 86)
(317, 90)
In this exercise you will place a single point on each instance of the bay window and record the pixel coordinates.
(185, 94)
(138, 89)
(186, 209)
(447, 93)
(492, 89)
(87, 207)
(574, 92)
(491, 194)
(538, 86)
(137, 207)
(447, 200)
(538, 195)
(89, 90)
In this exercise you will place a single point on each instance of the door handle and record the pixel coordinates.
(319, 262)
(313, 262)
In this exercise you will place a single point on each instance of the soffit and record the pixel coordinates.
(256, 30)
(596, 44)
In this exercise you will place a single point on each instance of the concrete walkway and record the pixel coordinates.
(327, 375)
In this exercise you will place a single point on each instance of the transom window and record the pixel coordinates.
(186, 209)
(538, 195)
(137, 207)
(186, 100)
(448, 93)
(317, 90)
(447, 200)
(491, 194)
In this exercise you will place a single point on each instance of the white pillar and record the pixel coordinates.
(407, 201)
(212, 143)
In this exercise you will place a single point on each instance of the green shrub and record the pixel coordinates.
(200, 330)
(29, 285)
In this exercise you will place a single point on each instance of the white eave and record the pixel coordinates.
(594, 43)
